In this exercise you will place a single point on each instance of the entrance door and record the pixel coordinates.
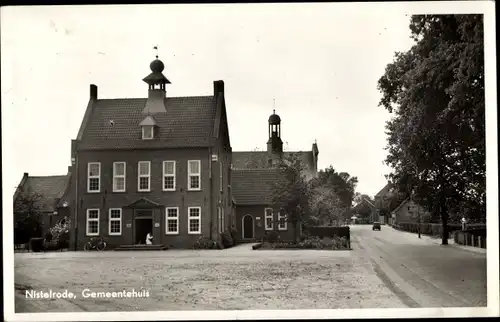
(248, 228)
(143, 226)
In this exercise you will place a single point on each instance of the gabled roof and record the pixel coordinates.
(254, 186)
(51, 189)
(148, 121)
(259, 159)
(400, 205)
(385, 190)
(143, 203)
(189, 122)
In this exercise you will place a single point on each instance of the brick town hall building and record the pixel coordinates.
(164, 165)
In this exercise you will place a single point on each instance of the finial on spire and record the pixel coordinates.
(156, 48)
(315, 142)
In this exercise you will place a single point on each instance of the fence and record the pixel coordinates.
(434, 229)
(471, 237)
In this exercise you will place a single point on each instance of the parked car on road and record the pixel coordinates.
(376, 225)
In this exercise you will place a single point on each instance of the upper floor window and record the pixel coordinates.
(194, 175)
(144, 176)
(94, 177)
(269, 218)
(119, 176)
(169, 175)
(147, 132)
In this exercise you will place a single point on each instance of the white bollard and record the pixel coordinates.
(472, 240)
(479, 241)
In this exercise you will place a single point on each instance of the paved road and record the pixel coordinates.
(422, 272)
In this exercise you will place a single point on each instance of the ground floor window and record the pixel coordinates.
(194, 220)
(269, 218)
(282, 221)
(115, 221)
(172, 220)
(92, 222)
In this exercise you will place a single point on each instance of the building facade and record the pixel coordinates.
(164, 165)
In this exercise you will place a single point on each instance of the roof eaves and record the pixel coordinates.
(400, 205)
(86, 118)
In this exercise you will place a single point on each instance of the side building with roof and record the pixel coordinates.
(50, 199)
(254, 173)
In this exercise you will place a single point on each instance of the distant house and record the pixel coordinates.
(409, 211)
(52, 190)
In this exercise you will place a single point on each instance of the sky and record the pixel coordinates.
(320, 63)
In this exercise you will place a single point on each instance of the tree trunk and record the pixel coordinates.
(444, 220)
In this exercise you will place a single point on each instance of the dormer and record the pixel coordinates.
(148, 128)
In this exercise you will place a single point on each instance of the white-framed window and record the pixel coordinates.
(115, 221)
(119, 172)
(92, 222)
(172, 220)
(94, 177)
(221, 169)
(144, 176)
(147, 132)
(282, 223)
(194, 220)
(194, 175)
(168, 175)
(268, 216)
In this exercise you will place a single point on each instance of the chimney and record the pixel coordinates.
(218, 87)
(93, 92)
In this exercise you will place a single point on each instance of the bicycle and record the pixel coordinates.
(95, 243)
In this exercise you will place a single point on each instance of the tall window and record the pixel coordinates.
(94, 177)
(282, 221)
(269, 218)
(115, 221)
(169, 175)
(172, 220)
(119, 176)
(92, 222)
(194, 175)
(144, 176)
(194, 220)
(147, 132)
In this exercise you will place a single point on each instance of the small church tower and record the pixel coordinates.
(274, 144)
(157, 88)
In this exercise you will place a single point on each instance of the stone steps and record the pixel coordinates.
(140, 247)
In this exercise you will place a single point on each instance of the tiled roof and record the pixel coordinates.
(51, 188)
(254, 186)
(384, 191)
(189, 122)
(259, 159)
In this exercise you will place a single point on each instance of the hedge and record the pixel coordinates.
(328, 231)
(36, 244)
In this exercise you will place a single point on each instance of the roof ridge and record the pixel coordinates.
(144, 98)
(50, 176)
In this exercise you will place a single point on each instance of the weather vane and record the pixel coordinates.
(156, 48)
(274, 106)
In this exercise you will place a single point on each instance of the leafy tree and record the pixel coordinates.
(342, 184)
(326, 206)
(362, 208)
(436, 139)
(27, 213)
(292, 194)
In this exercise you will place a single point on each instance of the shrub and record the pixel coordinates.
(227, 240)
(60, 233)
(234, 235)
(205, 243)
(36, 244)
(51, 245)
(48, 236)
